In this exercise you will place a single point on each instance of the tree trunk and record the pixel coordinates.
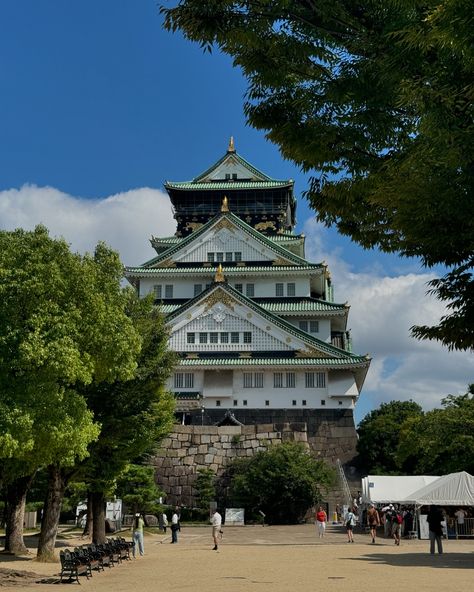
(15, 515)
(87, 532)
(52, 508)
(98, 512)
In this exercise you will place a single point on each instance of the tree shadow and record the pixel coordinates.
(446, 560)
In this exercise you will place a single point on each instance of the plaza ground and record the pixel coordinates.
(270, 558)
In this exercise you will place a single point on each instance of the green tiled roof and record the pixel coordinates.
(283, 307)
(188, 395)
(239, 223)
(349, 362)
(272, 318)
(228, 271)
(230, 185)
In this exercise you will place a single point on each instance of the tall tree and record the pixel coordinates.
(442, 440)
(62, 324)
(134, 414)
(379, 437)
(375, 98)
(136, 487)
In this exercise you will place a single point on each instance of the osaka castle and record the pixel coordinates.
(254, 323)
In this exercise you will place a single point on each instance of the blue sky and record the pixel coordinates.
(99, 106)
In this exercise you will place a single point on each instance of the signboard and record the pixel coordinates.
(234, 517)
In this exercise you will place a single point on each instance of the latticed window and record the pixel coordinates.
(169, 291)
(290, 289)
(220, 257)
(224, 337)
(157, 291)
(191, 338)
(278, 380)
(197, 289)
(213, 337)
(253, 380)
(202, 337)
(239, 287)
(247, 337)
(234, 337)
(314, 326)
(303, 325)
(210, 257)
(278, 290)
(258, 379)
(248, 379)
(228, 256)
(237, 256)
(183, 380)
(315, 380)
(290, 380)
(250, 290)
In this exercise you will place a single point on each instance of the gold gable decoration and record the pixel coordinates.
(225, 204)
(219, 296)
(224, 223)
(311, 352)
(219, 277)
(281, 261)
(167, 263)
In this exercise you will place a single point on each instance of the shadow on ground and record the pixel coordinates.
(447, 560)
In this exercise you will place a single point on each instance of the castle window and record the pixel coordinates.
(224, 337)
(314, 326)
(250, 290)
(244, 402)
(220, 257)
(253, 379)
(303, 402)
(227, 176)
(315, 380)
(157, 291)
(213, 337)
(340, 402)
(169, 291)
(191, 338)
(323, 402)
(247, 337)
(278, 380)
(293, 403)
(210, 257)
(197, 289)
(237, 256)
(183, 380)
(234, 337)
(290, 380)
(228, 256)
(239, 287)
(303, 325)
(267, 403)
(235, 402)
(278, 290)
(202, 337)
(290, 289)
(218, 403)
(234, 176)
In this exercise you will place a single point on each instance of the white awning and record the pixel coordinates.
(455, 489)
(382, 489)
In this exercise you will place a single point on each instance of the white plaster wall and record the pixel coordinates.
(342, 384)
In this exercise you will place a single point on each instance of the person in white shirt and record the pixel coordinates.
(460, 515)
(174, 526)
(216, 521)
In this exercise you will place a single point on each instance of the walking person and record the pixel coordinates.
(174, 526)
(321, 519)
(397, 521)
(373, 521)
(434, 519)
(216, 521)
(350, 521)
(137, 534)
(165, 522)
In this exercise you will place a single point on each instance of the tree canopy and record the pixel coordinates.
(374, 98)
(283, 482)
(379, 436)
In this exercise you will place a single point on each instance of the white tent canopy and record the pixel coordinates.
(455, 489)
(382, 489)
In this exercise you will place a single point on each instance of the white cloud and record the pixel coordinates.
(125, 221)
(383, 309)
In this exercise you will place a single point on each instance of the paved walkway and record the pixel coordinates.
(275, 559)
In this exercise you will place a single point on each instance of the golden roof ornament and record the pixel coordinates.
(219, 277)
(225, 204)
(231, 147)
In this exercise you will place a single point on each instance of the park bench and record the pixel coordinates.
(88, 558)
(72, 567)
(101, 554)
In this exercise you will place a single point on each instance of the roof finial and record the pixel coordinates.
(219, 277)
(225, 204)
(231, 147)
